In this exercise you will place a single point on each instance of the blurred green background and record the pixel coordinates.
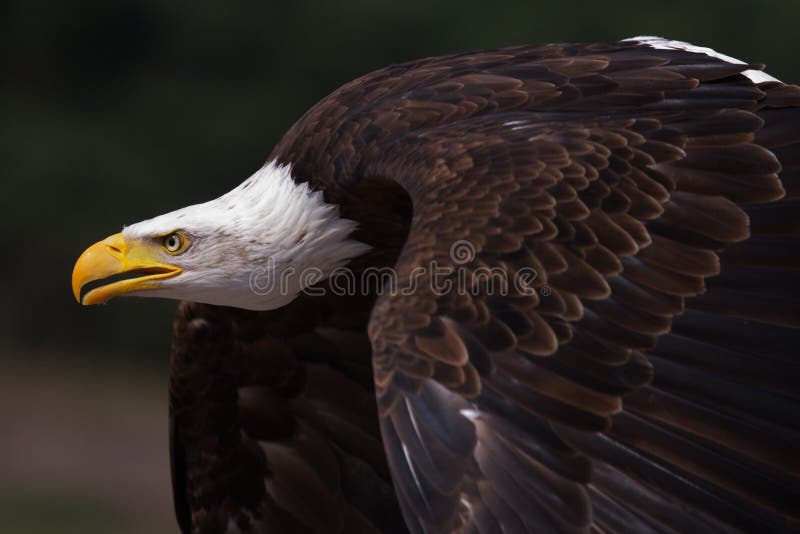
(112, 112)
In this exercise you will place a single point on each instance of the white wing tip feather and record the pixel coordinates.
(756, 76)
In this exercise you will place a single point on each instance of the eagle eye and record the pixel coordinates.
(174, 243)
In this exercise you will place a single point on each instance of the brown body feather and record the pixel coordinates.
(651, 386)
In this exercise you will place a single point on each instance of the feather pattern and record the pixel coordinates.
(649, 382)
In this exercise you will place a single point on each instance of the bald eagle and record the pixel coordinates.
(641, 376)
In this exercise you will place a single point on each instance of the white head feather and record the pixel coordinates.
(256, 247)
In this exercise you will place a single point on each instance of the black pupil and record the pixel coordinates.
(172, 241)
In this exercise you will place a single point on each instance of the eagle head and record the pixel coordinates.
(256, 247)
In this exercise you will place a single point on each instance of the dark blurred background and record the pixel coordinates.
(112, 112)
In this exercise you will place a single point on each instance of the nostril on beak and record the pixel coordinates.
(115, 244)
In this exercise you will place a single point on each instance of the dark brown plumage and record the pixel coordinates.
(650, 384)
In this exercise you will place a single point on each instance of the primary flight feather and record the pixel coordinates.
(641, 377)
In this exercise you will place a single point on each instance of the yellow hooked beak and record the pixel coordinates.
(114, 256)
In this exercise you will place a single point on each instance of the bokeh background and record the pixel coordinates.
(111, 112)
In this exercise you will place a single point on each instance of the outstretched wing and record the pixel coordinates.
(273, 426)
(650, 381)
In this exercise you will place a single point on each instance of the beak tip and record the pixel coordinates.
(76, 289)
(94, 263)
(79, 300)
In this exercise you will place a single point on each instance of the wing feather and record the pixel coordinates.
(627, 201)
(263, 425)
